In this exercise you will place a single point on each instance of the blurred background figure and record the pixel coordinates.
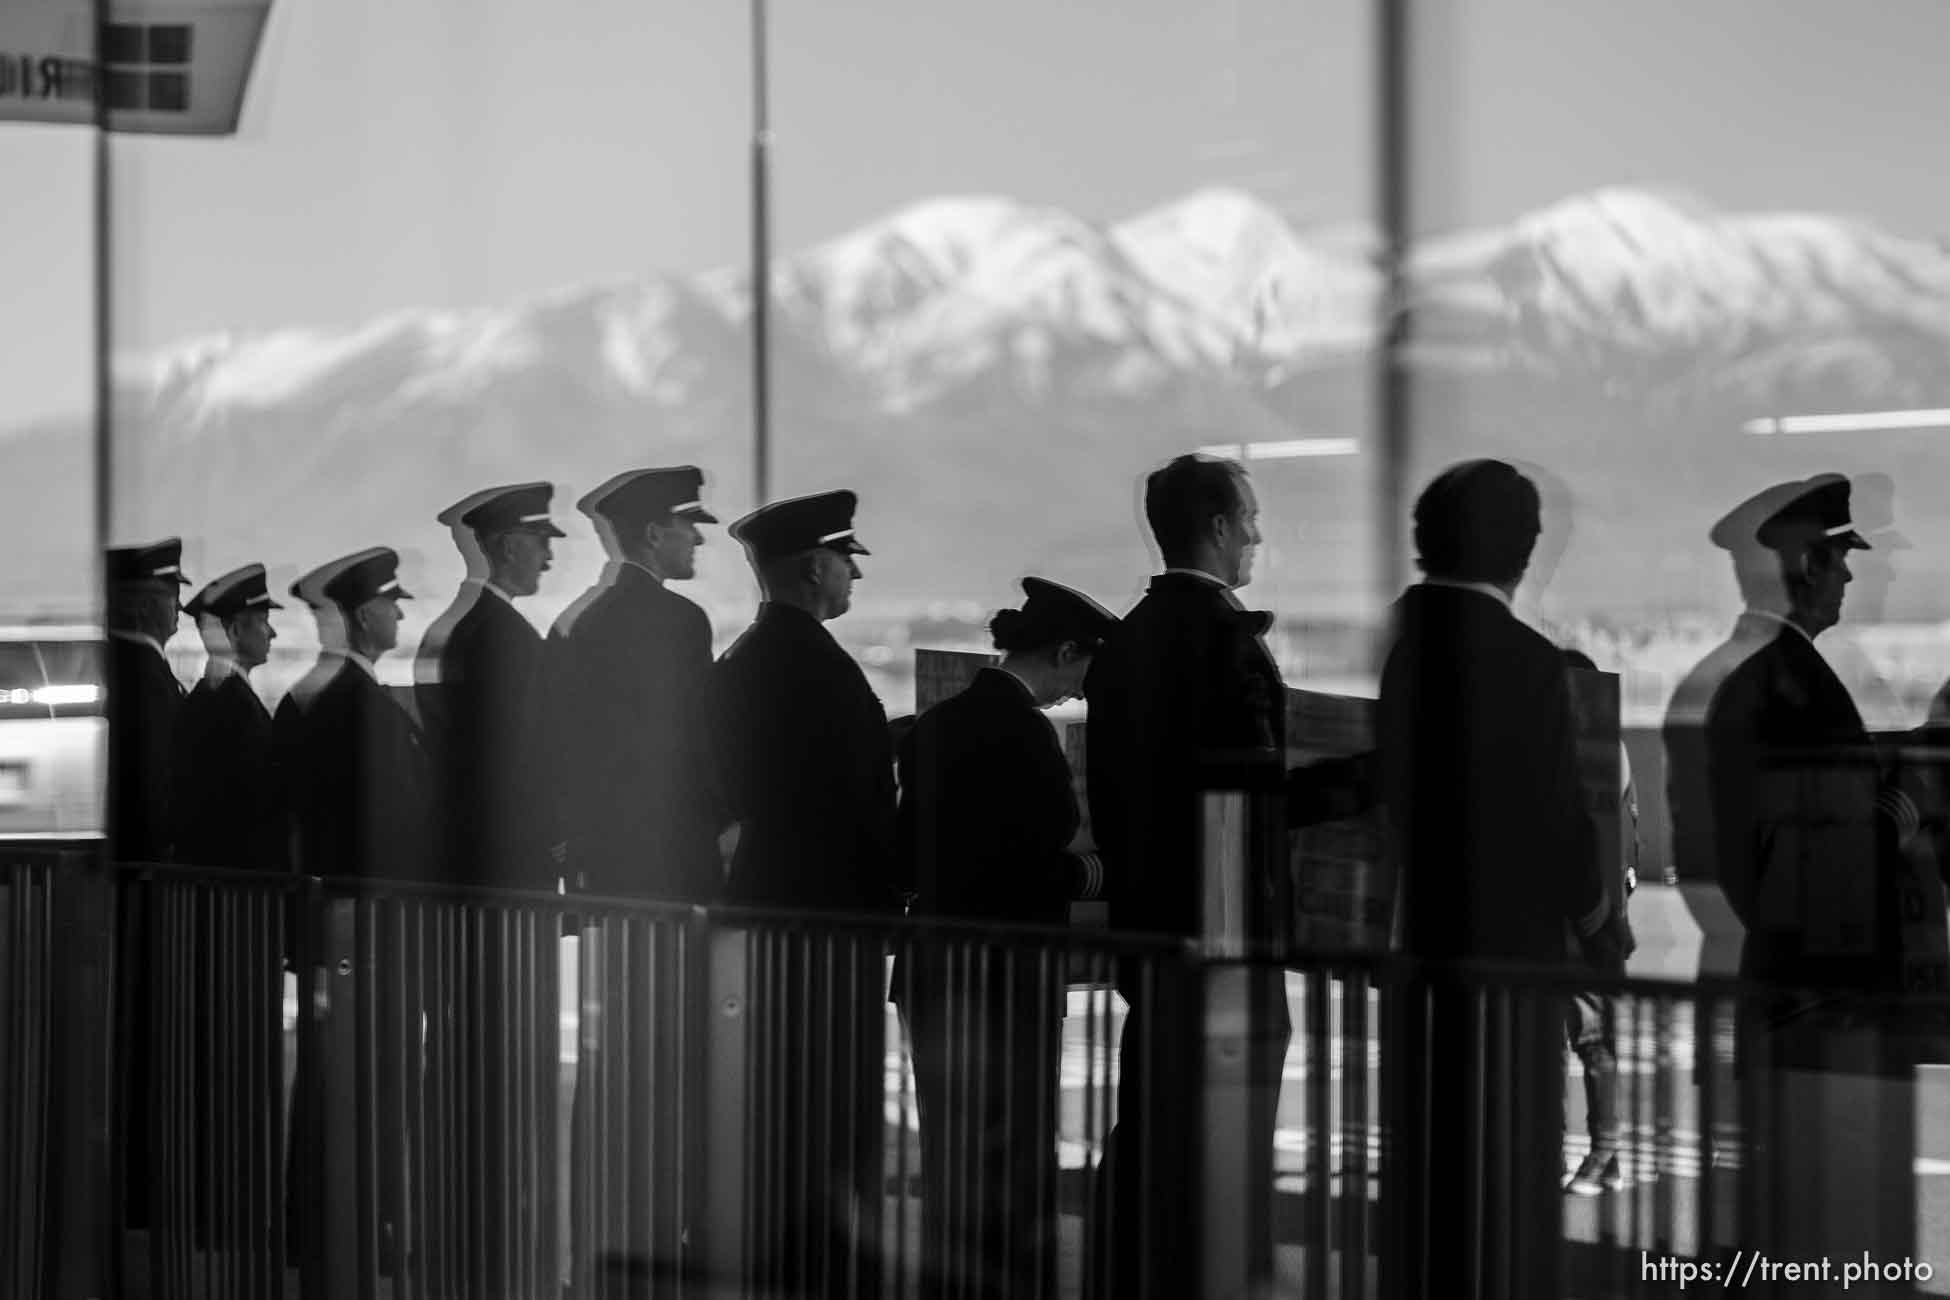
(987, 816)
(1591, 1019)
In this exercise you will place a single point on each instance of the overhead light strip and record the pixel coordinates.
(1848, 422)
(1290, 450)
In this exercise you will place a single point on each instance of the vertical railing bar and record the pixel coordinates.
(1320, 1156)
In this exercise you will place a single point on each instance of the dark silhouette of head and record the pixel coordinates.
(1478, 522)
(1789, 544)
(1050, 642)
(145, 585)
(803, 551)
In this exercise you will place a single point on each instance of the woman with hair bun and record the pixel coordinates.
(987, 816)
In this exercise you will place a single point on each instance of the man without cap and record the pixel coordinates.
(1183, 694)
(809, 775)
(1498, 858)
(475, 684)
(229, 810)
(625, 679)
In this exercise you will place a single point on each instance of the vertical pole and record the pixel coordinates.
(723, 1241)
(103, 385)
(761, 263)
(1243, 1034)
(83, 1212)
(1393, 396)
(341, 985)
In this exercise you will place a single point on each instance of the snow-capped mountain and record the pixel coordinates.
(995, 376)
(1621, 277)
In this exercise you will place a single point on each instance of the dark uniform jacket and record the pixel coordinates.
(987, 812)
(364, 803)
(808, 770)
(476, 699)
(229, 807)
(1497, 849)
(288, 744)
(1794, 781)
(625, 704)
(145, 701)
(1689, 806)
(1185, 682)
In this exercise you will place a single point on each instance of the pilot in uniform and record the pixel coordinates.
(229, 813)
(625, 678)
(144, 702)
(987, 815)
(809, 775)
(477, 674)
(476, 687)
(364, 814)
(365, 805)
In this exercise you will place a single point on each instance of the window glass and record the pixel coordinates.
(450, 246)
(1672, 254)
(1026, 254)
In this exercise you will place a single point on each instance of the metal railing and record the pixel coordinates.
(327, 1089)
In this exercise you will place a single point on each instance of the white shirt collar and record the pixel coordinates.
(489, 586)
(1769, 616)
(140, 639)
(1491, 590)
(639, 564)
(371, 670)
(1201, 573)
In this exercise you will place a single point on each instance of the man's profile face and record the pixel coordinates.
(1241, 540)
(251, 635)
(380, 617)
(1828, 579)
(163, 608)
(835, 576)
(673, 548)
(525, 558)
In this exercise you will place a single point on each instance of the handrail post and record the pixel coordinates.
(719, 1228)
(81, 1218)
(1244, 1025)
(334, 1134)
